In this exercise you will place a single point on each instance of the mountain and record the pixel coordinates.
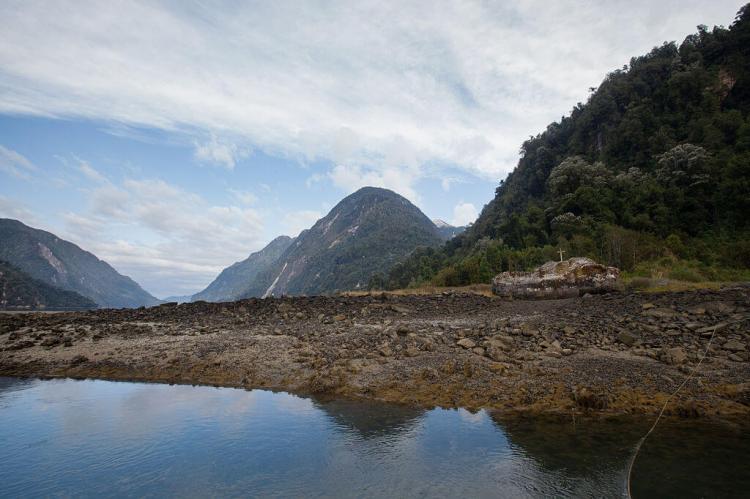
(178, 299)
(234, 281)
(364, 234)
(651, 174)
(446, 230)
(18, 290)
(47, 258)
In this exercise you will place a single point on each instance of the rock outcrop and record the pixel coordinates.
(566, 279)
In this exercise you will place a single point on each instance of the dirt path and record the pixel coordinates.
(619, 353)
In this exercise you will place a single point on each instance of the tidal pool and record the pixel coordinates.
(98, 438)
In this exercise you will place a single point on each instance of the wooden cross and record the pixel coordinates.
(561, 254)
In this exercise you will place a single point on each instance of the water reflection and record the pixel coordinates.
(369, 419)
(94, 438)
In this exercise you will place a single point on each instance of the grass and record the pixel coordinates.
(478, 289)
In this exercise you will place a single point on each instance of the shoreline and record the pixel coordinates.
(609, 355)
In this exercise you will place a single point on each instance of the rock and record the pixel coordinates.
(708, 330)
(411, 351)
(569, 278)
(735, 358)
(647, 306)
(478, 351)
(734, 346)
(496, 354)
(718, 307)
(466, 343)
(660, 313)
(339, 318)
(385, 351)
(50, 341)
(675, 356)
(78, 359)
(504, 343)
(626, 338)
(569, 330)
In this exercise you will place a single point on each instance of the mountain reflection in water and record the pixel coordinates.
(93, 438)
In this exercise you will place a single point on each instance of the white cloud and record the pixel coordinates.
(219, 152)
(169, 240)
(373, 86)
(464, 214)
(297, 221)
(13, 208)
(15, 164)
(314, 179)
(90, 172)
(244, 197)
(401, 180)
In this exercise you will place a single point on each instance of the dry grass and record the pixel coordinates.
(477, 289)
(652, 285)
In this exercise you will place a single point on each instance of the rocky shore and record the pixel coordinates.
(614, 354)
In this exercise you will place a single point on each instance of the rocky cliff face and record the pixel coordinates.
(47, 258)
(367, 232)
(234, 281)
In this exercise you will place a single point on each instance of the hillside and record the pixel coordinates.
(364, 234)
(651, 174)
(47, 258)
(235, 279)
(447, 231)
(18, 290)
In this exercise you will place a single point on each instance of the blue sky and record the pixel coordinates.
(174, 138)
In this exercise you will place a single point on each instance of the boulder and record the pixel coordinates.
(466, 343)
(566, 279)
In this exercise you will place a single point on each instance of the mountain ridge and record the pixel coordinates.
(20, 291)
(60, 263)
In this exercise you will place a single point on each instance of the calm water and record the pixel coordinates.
(95, 438)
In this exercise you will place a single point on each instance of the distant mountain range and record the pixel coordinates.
(59, 263)
(19, 290)
(366, 233)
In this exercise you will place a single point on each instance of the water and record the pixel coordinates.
(98, 438)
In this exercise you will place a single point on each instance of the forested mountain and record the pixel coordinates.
(364, 234)
(18, 290)
(59, 263)
(654, 167)
(235, 280)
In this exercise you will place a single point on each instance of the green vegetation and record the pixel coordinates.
(18, 290)
(651, 174)
(59, 263)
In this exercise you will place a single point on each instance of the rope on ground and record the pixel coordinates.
(663, 408)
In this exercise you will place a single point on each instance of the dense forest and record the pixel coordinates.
(651, 174)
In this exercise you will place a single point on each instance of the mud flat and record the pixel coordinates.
(609, 354)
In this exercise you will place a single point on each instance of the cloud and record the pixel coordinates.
(375, 87)
(220, 153)
(13, 208)
(401, 180)
(314, 179)
(464, 214)
(244, 197)
(170, 240)
(90, 172)
(297, 221)
(15, 164)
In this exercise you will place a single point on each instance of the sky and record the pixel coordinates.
(174, 138)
